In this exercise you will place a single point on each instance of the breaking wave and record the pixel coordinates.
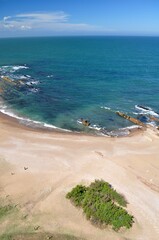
(27, 121)
(146, 110)
(12, 69)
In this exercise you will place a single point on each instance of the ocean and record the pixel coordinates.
(56, 81)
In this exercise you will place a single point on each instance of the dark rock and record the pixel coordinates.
(85, 122)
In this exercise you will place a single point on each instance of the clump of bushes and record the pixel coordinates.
(102, 204)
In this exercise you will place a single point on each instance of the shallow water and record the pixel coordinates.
(69, 78)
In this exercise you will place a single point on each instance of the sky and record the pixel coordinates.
(19, 18)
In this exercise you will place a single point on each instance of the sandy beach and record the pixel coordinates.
(38, 168)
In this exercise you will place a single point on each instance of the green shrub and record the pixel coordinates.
(106, 191)
(102, 204)
(77, 194)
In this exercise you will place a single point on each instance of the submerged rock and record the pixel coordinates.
(85, 122)
(131, 119)
(154, 118)
(143, 107)
(7, 79)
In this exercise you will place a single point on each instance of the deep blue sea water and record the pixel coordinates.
(64, 79)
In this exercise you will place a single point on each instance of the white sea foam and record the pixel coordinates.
(30, 83)
(107, 108)
(131, 127)
(79, 121)
(49, 76)
(148, 110)
(92, 126)
(135, 113)
(27, 121)
(12, 69)
(4, 67)
(143, 108)
(121, 132)
(19, 67)
(22, 77)
(95, 127)
(34, 90)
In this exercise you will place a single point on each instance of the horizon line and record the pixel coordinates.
(41, 36)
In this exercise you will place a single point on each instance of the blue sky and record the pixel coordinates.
(78, 17)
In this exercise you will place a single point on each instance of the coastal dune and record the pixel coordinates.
(38, 168)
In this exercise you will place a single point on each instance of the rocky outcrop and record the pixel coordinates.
(154, 118)
(7, 79)
(85, 122)
(131, 119)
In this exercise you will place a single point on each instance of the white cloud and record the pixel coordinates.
(43, 17)
(25, 27)
(33, 20)
(6, 18)
(46, 21)
(9, 26)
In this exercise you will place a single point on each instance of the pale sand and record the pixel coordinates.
(57, 162)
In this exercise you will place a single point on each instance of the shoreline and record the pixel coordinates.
(11, 120)
(43, 126)
(136, 127)
(56, 161)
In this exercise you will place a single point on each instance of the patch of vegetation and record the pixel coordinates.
(102, 204)
(6, 209)
(77, 195)
(38, 236)
(14, 227)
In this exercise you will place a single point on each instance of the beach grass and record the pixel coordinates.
(15, 226)
(38, 236)
(7, 209)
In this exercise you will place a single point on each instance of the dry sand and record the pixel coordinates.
(56, 162)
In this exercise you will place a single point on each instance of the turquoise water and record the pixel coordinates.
(68, 78)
